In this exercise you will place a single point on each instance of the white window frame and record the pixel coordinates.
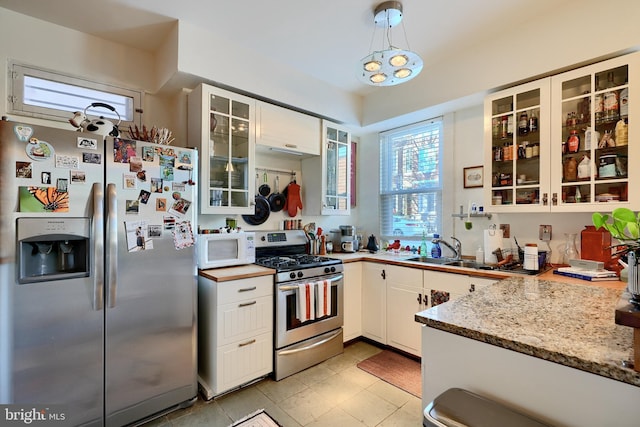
(91, 92)
(388, 191)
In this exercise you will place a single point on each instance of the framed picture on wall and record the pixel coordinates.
(473, 176)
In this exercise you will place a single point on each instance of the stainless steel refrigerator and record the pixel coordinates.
(97, 276)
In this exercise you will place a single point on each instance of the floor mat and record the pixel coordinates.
(257, 419)
(397, 370)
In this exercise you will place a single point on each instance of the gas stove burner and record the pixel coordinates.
(298, 261)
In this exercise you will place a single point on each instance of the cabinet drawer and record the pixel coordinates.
(243, 319)
(403, 275)
(243, 361)
(239, 290)
(446, 282)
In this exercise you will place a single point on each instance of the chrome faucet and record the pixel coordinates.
(456, 248)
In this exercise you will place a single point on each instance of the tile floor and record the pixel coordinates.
(333, 393)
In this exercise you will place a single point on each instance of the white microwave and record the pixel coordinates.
(226, 249)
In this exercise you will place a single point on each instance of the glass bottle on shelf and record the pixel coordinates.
(533, 122)
(570, 250)
(573, 142)
(598, 103)
(523, 124)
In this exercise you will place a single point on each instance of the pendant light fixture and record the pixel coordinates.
(390, 66)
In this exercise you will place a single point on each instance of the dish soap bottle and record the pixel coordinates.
(436, 251)
(423, 245)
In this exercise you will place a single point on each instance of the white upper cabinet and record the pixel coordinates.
(565, 143)
(222, 124)
(516, 135)
(327, 179)
(595, 137)
(282, 130)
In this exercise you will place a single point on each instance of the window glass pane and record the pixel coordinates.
(410, 182)
(50, 95)
(61, 96)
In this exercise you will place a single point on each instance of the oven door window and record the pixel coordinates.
(292, 302)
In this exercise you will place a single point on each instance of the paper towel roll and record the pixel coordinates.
(492, 241)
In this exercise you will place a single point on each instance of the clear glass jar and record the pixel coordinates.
(570, 250)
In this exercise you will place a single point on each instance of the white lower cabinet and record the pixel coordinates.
(442, 287)
(235, 332)
(404, 299)
(374, 302)
(352, 327)
(392, 295)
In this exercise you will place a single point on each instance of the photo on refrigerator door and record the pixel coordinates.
(43, 199)
(183, 235)
(138, 236)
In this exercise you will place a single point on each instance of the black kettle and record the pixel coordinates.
(372, 245)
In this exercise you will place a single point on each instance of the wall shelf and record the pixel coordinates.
(462, 216)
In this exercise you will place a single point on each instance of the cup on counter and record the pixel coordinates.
(347, 246)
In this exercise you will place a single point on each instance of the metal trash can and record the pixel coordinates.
(457, 408)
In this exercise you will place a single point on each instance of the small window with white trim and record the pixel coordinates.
(54, 96)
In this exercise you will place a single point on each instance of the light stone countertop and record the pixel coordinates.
(568, 323)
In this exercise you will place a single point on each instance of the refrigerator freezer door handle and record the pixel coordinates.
(112, 245)
(98, 246)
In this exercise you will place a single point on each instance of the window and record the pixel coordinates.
(411, 181)
(53, 96)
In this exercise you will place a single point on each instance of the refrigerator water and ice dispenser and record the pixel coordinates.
(53, 249)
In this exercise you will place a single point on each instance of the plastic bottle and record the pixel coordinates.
(423, 245)
(436, 250)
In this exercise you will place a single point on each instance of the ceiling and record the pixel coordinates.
(324, 39)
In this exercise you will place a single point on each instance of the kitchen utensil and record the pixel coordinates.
(277, 199)
(372, 245)
(347, 246)
(294, 201)
(262, 209)
(264, 189)
(100, 126)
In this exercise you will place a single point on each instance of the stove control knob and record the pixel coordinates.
(292, 275)
(300, 274)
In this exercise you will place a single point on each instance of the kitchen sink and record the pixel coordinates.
(453, 262)
(429, 260)
(463, 263)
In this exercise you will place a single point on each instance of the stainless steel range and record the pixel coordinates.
(309, 306)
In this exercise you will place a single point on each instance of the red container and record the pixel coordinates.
(595, 244)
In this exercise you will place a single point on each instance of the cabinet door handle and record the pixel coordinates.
(419, 298)
(545, 199)
(554, 199)
(247, 289)
(472, 288)
(291, 145)
(426, 300)
(246, 343)
(246, 304)
(383, 274)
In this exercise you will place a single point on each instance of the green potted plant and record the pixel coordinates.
(624, 225)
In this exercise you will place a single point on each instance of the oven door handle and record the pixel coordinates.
(309, 347)
(293, 288)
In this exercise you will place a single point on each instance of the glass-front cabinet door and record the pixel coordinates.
(338, 167)
(227, 132)
(516, 148)
(593, 136)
